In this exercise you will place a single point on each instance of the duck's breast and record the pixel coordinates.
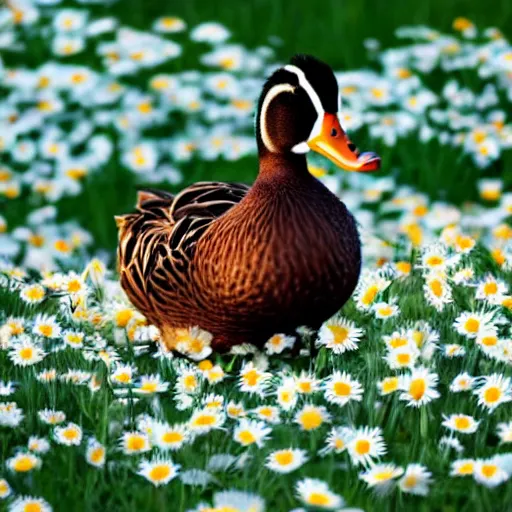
(281, 257)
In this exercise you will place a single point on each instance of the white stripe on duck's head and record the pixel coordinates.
(298, 111)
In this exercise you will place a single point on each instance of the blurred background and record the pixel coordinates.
(100, 98)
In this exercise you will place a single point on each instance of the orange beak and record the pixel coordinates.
(333, 143)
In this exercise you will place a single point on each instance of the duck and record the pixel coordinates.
(245, 263)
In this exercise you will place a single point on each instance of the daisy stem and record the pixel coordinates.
(423, 423)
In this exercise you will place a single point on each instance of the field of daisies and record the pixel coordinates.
(406, 403)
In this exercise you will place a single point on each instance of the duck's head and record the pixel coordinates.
(298, 112)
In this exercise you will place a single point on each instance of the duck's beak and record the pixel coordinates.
(334, 143)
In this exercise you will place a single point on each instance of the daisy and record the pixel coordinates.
(213, 401)
(311, 417)
(170, 437)
(491, 290)
(418, 388)
(463, 276)
(488, 341)
(464, 244)
(38, 444)
(462, 467)
(159, 471)
(253, 380)
(16, 326)
(287, 395)
(249, 432)
(5, 489)
(46, 326)
(306, 384)
(150, 384)
(235, 410)
(504, 431)
(209, 32)
(369, 287)
(267, 413)
(398, 339)
(195, 343)
(123, 374)
(70, 435)
(215, 374)
(188, 380)
(366, 444)
(51, 416)
(7, 388)
(437, 291)
(169, 25)
(133, 443)
(233, 500)
(388, 385)
(23, 462)
(489, 473)
(381, 476)
(29, 504)
(385, 310)
(32, 294)
(316, 493)
(278, 343)
(462, 382)
(460, 423)
(494, 390)
(74, 339)
(10, 414)
(339, 335)
(451, 442)
(404, 357)
(340, 389)
(287, 460)
(337, 440)
(416, 480)
(454, 350)
(435, 258)
(26, 353)
(471, 324)
(204, 420)
(95, 454)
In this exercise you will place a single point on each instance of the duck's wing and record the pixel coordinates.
(157, 242)
(196, 207)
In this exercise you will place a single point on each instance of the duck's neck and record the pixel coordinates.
(282, 166)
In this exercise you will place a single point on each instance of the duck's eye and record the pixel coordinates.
(352, 147)
(334, 132)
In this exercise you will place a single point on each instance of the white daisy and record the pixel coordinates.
(316, 493)
(341, 388)
(365, 445)
(462, 382)
(286, 460)
(249, 432)
(418, 388)
(489, 473)
(461, 423)
(381, 477)
(278, 343)
(416, 480)
(504, 431)
(493, 390)
(339, 335)
(159, 471)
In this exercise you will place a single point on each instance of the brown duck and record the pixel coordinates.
(247, 263)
